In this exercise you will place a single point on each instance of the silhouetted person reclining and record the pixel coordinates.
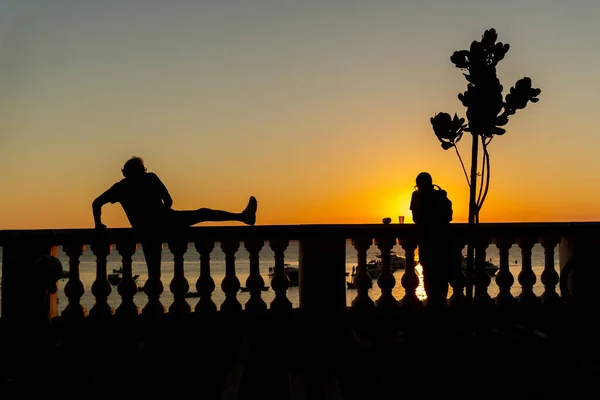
(432, 213)
(147, 204)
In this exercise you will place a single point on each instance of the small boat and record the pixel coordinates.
(374, 268)
(115, 278)
(351, 285)
(490, 268)
(293, 274)
(396, 261)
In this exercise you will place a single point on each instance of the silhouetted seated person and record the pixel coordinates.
(147, 204)
(432, 213)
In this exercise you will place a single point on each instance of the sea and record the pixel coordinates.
(217, 262)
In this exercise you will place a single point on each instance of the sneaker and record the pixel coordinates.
(249, 213)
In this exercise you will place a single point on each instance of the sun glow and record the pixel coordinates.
(398, 205)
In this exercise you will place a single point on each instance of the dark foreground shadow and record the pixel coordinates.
(297, 357)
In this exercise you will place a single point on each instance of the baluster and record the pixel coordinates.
(53, 292)
(255, 282)
(74, 288)
(362, 280)
(527, 277)
(205, 285)
(322, 284)
(410, 279)
(179, 284)
(482, 278)
(386, 280)
(550, 276)
(127, 288)
(153, 287)
(101, 287)
(230, 284)
(280, 281)
(458, 280)
(504, 278)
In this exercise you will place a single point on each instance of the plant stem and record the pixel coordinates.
(486, 156)
(483, 171)
(462, 164)
(472, 207)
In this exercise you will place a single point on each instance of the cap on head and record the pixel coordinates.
(134, 166)
(424, 180)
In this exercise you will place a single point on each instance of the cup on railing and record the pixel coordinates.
(401, 219)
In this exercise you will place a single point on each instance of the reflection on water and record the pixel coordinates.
(398, 291)
(420, 292)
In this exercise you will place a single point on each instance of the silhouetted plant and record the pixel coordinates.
(487, 110)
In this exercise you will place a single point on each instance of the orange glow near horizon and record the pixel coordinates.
(355, 207)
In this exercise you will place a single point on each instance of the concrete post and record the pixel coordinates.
(322, 275)
(579, 269)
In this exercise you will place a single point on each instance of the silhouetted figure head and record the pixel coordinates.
(424, 181)
(133, 167)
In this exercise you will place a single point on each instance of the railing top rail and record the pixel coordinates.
(297, 232)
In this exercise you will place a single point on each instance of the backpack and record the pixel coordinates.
(444, 205)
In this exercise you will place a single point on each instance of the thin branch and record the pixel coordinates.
(485, 172)
(463, 165)
(486, 155)
(487, 183)
(483, 146)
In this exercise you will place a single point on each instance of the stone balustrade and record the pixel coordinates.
(322, 285)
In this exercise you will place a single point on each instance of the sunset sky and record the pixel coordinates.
(318, 108)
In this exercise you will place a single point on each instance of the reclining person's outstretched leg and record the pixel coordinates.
(193, 217)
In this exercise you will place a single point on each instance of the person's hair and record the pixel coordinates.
(133, 166)
(424, 180)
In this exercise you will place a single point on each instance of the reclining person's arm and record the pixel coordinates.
(97, 204)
